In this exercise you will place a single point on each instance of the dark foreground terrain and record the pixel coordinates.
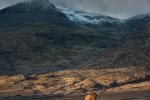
(128, 95)
(139, 95)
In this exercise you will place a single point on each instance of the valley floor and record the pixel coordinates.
(126, 95)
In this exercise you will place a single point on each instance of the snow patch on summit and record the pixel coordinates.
(84, 17)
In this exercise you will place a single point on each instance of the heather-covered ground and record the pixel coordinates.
(117, 83)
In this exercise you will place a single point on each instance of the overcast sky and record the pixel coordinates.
(116, 8)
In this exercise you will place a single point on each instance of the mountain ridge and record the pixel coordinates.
(85, 18)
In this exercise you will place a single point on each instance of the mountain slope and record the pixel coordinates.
(37, 40)
(133, 49)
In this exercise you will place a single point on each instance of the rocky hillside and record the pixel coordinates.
(133, 49)
(35, 38)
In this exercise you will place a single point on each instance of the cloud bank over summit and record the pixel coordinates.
(116, 8)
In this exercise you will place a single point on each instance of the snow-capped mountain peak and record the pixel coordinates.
(85, 17)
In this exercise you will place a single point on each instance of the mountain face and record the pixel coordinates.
(85, 18)
(133, 49)
(37, 38)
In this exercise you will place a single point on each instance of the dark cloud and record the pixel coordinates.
(116, 8)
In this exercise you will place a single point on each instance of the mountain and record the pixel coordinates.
(85, 18)
(31, 12)
(52, 51)
(34, 6)
(37, 39)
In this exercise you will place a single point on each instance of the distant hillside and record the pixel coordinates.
(138, 22)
